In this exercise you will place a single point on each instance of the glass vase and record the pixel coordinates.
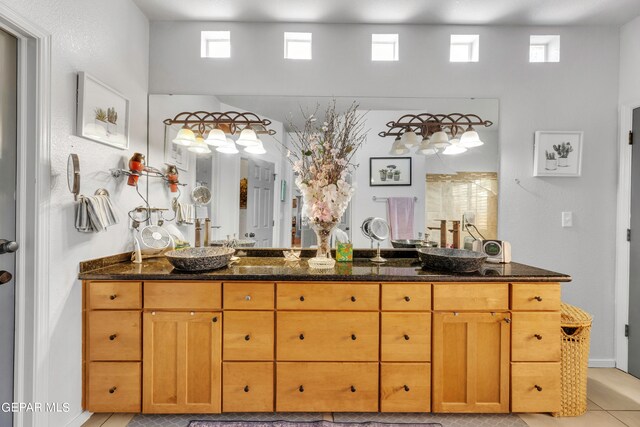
(323, 231)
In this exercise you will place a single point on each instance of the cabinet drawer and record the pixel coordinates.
(327, 296)
(182, 295)
(114, 387)
(535, 387)
(327, 336)
(248, 296)
(247, 387)
(471, 296)
(327, 387)
(406, 297)
(115, 335)
(405, 387)
(406, 337)
(115, 295)
(535, 337)
(535, 297)
(248, 335)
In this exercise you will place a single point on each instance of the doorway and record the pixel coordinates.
(256, 206)
(8, 169)
(634, 256)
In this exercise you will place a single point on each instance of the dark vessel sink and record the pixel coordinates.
(454, 260)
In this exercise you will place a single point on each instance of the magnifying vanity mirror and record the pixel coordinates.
(254, 195)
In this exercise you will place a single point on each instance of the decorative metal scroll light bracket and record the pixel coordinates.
(425, 124)
(230, 122)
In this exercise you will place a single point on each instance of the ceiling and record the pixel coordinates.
(464, 12)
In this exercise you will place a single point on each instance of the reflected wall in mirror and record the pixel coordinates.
(269, 210)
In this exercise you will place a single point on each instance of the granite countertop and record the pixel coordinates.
(271, 268)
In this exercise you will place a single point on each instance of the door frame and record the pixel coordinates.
(31, 354)
(623, 247)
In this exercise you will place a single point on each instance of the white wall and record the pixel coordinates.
(630, 62)
(578, 93)
(110, 41)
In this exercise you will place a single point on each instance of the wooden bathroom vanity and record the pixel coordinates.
(264, 336)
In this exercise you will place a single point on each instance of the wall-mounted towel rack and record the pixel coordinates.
(384, 199)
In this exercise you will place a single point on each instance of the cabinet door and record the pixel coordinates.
(470, 362)
(182, 362)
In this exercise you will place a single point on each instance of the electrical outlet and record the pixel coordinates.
(567, 219)
(468, 218)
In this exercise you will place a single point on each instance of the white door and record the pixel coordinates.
(260, 203)
(8, 147)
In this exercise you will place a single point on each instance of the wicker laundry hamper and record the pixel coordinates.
(575, 326)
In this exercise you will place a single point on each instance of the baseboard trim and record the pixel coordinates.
(602, 363)
(79, 419)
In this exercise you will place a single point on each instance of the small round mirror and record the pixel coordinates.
(201, 195)
(379, 229)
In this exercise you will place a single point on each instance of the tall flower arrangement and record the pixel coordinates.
(321, 155)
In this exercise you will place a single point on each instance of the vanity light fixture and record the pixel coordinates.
(410, 138)
(438, 131)
(398, 148)
(217, 126)
(256, 149)
(199, 146)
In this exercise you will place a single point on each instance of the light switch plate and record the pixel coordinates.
(567, 219)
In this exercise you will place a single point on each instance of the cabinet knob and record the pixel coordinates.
(406, 388)
(538, 336)
(353, 298)
(406, 337)
(246, 389)
(301, 297)
(537, 387)
(113, 336)
(214, 319)
(248, 297)
(247, 337)
(301, 336)
(353, 337)
(506, 319)
(301, 389)
(353, 389)
(113, 390)
(112, 297)
(537, 298)
(407, 298)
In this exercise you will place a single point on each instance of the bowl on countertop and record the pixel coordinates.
(407, 243)
(454, 260)
(200, 259)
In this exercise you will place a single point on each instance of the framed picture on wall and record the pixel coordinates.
(557, 153)
(389, 171)
(102, 113)
(173, 153)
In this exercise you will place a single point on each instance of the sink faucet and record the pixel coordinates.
(198, 229)
(443, 232)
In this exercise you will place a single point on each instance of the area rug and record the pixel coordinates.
(303, 424)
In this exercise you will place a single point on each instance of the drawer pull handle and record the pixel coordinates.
(407, 298)
(246, 389)
(353, 298)
(301, 336)
(353, 389)
(301, 389)
(112, 297)
(406, 337)
(406, 388)
(537, 387)
(538, 336)
(353, 337)
(538, 298)
(248, 298)
(113, 390)
(113, 336)
(215, 319)
(506, 319)
(301, 297)
(247, 337)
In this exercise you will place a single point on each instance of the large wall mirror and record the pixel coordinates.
(254, 196)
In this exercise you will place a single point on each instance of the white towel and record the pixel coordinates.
(400, 217)
(185, 213)
(94, 213)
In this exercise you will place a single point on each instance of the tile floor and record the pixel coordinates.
(614, 401)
